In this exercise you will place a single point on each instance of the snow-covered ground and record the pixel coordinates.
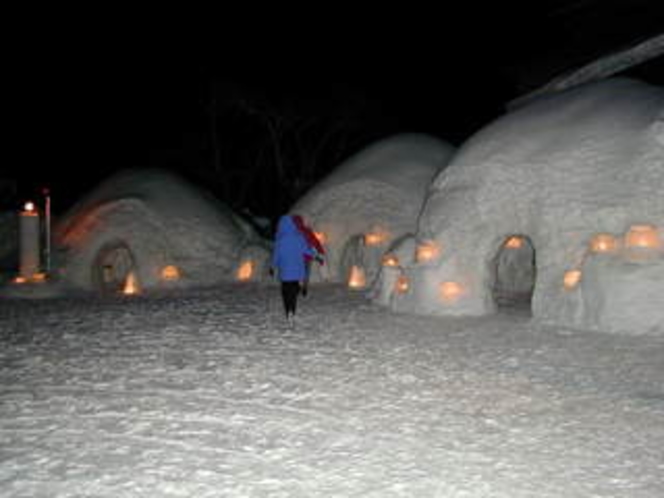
(209, 394)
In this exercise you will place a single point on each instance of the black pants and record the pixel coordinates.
(289, 291)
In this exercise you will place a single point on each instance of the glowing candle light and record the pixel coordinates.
(514, 242)
(357, 278)
(451, 291)
(402, 284)
(603, 243)
(131, 285)
(170, 272)
(374, 238)
(322, 237)
(245, 271)
(427, 251)
(571, 279)
(390, 260)
(642, 236)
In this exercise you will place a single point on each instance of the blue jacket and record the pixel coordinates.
(290, 247)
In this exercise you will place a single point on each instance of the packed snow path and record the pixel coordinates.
(209, 394)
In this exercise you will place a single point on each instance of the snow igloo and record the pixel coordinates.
(368, 202)
(149, 229)
(558, 205)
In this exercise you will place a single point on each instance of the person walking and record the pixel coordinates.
(314, 244)
(288, 260)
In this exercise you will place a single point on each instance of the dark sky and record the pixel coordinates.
(86, 101)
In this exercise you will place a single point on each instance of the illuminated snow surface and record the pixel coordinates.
(209, 394)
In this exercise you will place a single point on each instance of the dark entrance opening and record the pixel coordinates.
(515, 272)
(111, 267)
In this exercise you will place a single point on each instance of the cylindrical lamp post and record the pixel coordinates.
(29, 237)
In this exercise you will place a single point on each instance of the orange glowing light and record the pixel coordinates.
(427, 251)
(402, 284)
(514, 242)
(571, 279)
(170, 272)
(322, 237)
(374, 238)
(245, 271)
(357, 278)
(38, 277)
(451, 291)
(131, 285)
(20, 280)
(642, 236)
(603, 242)
(390, 260)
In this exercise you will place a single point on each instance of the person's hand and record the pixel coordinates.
(320, 260)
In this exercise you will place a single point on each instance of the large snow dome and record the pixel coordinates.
(559, 204)
(152, 227)
(370, 200)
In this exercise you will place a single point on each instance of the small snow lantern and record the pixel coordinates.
(390, 260)
(245, 271)
(357, 278)
(375, 238)
(402, 284)
(131, 286)
(322, 237)
(571, 279)
(450, 291)
(170, 273)
(39, 277)
(427, 251)
(603, 243)
(643, 237)
(514, 242)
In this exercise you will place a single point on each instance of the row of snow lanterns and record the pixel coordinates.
(171, 273)
(449, 291)
(641, 243)
(426, 251)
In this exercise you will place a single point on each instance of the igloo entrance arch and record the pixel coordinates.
(514, 272)
(112, 266)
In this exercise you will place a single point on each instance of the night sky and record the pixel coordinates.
(86, 102)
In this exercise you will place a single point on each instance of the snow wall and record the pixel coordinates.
(557, 173)
(145, 220)
(370, 200)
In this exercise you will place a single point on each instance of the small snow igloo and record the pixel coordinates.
(558, 205)
(148, 228)
(370, 200)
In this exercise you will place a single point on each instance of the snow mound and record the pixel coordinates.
(142, 221)
(555, 175)
(372, 199)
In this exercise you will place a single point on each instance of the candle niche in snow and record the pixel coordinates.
(357, 278)
(245, 271)
(390, 260)
(170, 273)
(427, 251)
(603, 243)
(642, 237)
